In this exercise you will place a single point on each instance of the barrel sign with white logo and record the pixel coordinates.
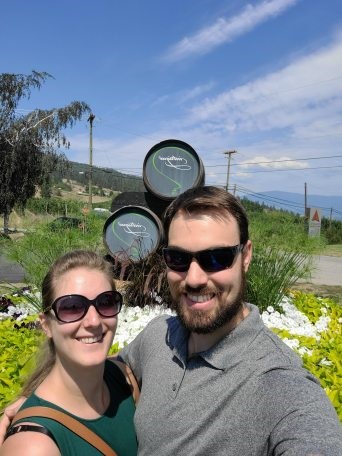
(171, 167)
(132, 232)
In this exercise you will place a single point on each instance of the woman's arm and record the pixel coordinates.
(29, 443)
(9, 413)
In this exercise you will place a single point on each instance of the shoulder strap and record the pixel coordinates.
(130, 378)
(69, 422)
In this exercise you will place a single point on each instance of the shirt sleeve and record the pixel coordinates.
(305, 422)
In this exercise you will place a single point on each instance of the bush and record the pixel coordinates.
(272, 273)
(54, 206)
(146, 282)
(36, 251)
(19, 344)
(321, 357)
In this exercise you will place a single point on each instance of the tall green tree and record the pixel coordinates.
(29, 144)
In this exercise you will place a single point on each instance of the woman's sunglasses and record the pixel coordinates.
(71, 308)
(210, 260)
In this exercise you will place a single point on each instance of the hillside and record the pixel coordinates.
(101, 177)
(112, 180)
(72, 190)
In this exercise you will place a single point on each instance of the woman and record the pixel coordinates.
(79, 317)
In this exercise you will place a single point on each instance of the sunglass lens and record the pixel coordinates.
(109, 304)
(70, 308)
(217, 259)
(177, 260)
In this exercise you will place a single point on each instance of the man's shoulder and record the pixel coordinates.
(161, 322)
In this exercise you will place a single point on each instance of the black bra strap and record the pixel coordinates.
(29, 427)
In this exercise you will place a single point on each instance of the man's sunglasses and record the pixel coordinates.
(71, 308)
(210, 260)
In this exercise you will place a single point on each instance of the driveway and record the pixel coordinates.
(327, 271)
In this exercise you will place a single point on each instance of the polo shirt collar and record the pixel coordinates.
(228, 351)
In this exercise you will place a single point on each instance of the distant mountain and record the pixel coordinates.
(294, 202)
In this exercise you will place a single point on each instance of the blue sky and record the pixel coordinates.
(263, 78)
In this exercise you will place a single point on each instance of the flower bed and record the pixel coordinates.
(309, 325)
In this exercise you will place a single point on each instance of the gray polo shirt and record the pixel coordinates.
(247, 395)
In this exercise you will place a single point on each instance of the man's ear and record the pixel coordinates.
(247, 255)
(45, 324)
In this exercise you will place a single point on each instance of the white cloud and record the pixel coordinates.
(197, 91)
(225, 30)
(263, 162)
(307, 91)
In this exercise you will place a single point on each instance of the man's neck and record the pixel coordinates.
(201, 342)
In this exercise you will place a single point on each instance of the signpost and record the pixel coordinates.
(315, 217)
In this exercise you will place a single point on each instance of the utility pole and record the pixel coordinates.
(90, 184)
(229, 154)
(305, 201)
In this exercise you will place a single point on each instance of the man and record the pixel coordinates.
(214, 380)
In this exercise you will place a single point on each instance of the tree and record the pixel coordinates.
(29, 143)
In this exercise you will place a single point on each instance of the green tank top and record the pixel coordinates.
(116, 426)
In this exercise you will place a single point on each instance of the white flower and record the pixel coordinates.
(322, 324)
(292, 343)
(304, 351)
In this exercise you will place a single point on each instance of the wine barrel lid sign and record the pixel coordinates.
(132, 232)
(171, 167)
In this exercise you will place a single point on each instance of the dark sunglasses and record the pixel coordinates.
(210, 260)
(71, 308)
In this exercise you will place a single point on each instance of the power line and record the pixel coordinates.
(286, 160)
(281, 201)
(278, 161)
(288, 169)
(270, 199)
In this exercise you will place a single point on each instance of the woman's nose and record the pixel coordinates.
(92, 317)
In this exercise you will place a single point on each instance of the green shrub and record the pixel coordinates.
(36, 251)
(54, 206)
(18, 347)
(272, 273)
(322, 358)
(283, 231)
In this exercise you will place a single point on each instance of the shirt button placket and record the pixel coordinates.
(174, 388)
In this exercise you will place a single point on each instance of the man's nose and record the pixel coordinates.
(195, 276)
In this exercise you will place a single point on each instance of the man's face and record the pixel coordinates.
(207, 301)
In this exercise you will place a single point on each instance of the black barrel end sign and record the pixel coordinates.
(132, 232)
(171, 167)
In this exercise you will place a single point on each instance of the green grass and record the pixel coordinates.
(333, 250)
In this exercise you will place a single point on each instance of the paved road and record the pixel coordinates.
(10, 271)
(327, 271)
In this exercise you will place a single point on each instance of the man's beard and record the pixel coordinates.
(202, 322)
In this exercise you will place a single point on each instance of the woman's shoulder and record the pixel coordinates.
(29, 443)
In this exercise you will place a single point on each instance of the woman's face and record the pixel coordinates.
(85, 342)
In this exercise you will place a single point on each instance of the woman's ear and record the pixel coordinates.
(247, 255)
(45, 324)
